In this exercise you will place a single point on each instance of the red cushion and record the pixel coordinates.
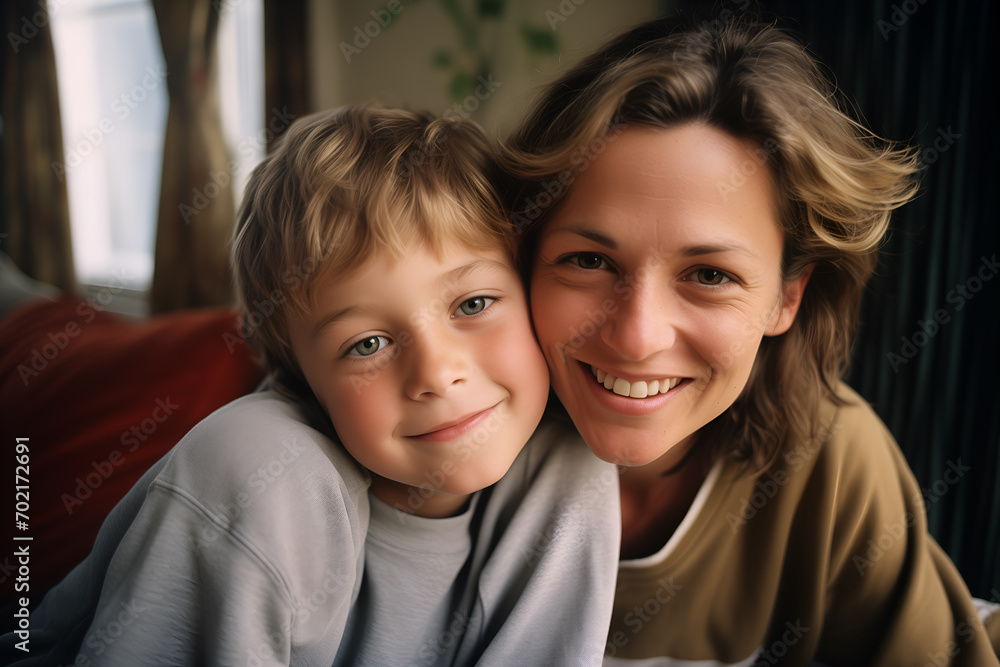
(100, 398)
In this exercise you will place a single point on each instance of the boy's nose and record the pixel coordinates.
(436, 366)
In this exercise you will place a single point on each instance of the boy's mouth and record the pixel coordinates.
(453, 429)
(636, 389)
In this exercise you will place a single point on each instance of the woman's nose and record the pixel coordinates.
(643, 323)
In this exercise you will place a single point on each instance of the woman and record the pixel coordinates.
(700, 219)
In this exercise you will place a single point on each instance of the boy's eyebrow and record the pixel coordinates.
(460, 272)
(333, 317)
(455, 275)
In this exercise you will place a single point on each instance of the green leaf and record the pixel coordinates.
(490, 9)
(540, 40)
(442, 60)
(462, 84)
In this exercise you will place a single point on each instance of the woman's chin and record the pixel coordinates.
(634, 449)
(625, 449)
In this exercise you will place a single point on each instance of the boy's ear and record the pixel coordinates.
(791, 299)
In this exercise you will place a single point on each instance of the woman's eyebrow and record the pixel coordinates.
(712, 249)
(688, 251)
(590, 234)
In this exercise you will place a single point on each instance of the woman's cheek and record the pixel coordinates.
(556, 316)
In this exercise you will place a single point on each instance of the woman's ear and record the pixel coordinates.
(791, 298)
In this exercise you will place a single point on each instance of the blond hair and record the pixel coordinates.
(341, 187)
(836, 184)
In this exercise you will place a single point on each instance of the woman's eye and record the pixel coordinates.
(474, 306)
(589, 260)
(711, 277)
(368, 346)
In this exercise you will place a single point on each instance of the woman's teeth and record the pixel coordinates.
(637, 389)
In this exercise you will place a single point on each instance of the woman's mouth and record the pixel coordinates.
(636, 388)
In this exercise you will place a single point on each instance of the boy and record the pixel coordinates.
(374, 267)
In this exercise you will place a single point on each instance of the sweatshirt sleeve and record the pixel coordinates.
(892, 593)
(184, 589)
(246, 549)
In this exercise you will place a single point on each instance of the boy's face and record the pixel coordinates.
(429, 370)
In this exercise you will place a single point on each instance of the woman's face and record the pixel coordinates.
(654, 284)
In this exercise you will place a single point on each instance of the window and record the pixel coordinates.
(113, 102)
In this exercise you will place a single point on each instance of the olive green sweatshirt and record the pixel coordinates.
(824, 557)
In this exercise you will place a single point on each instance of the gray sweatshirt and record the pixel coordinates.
(255, 542)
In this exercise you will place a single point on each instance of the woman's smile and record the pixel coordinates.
(652, 289)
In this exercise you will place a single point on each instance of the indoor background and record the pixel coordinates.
(160, 205)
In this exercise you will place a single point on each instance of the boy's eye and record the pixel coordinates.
(474, 306)
(368, 346)
(711, 277)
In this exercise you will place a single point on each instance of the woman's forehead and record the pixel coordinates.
(700, 180)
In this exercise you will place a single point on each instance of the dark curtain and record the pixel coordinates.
(286, 63)
(196, 213)
(926, 355)
(34, 206)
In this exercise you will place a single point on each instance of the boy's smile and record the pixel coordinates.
(429, 370)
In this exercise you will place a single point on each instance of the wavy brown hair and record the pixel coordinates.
(836, 185)
(341, 187)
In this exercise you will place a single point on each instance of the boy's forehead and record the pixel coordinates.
(383, 282)
(449, 262)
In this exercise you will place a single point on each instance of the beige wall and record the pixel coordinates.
(394, 64)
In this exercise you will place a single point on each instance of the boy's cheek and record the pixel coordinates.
(516, 361)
